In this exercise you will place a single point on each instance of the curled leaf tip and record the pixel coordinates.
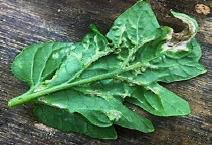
(179, 41)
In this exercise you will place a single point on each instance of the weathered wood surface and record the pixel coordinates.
(25, 21)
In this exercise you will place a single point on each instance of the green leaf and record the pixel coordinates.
(100, 111)
(110, 87)
(67, 59)
(38, 61)
(135, 26)
(63, 70)
(92, 47)
(132, 29)
(153, 98)
(166, 68)
(71, 122)
(81, 86)
(159, 101)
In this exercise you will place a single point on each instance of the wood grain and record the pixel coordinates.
(23, 22)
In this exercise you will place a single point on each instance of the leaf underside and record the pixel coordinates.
(80, 87)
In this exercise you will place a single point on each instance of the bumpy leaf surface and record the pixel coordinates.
(82, 86)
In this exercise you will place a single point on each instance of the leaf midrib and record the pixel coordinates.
(26, 98)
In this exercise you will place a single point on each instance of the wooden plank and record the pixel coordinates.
(25, 21)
